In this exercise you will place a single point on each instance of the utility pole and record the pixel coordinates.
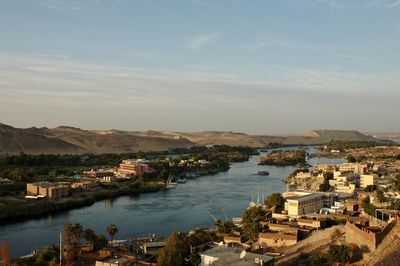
(60, 249)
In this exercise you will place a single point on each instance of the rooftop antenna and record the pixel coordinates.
(212, 216)
(226, 217)
(60, 249)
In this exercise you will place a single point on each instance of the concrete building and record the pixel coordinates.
(311, 223)
(100, 173)
(225, 256)
(279, 235)
(84, 184)
(113, 262)
(277, 239)
(366, 236)
(49, 190)
(302, 203)
(153, 248)
(303, 175)
(353, 167)
(368, 180)
(132, 168)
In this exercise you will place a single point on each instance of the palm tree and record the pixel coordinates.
(112, 230)
(89, 236)
(77, 232)
(68, 252)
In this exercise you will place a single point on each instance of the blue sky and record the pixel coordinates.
(251, 66)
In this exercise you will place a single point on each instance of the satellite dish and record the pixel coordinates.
(243, 254)
(221, 244)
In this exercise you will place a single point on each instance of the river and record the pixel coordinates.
(182, 208)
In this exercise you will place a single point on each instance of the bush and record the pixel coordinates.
(339, 253)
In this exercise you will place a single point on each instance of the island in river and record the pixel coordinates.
(284, 158)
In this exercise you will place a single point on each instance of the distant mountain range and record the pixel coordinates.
(63, 139)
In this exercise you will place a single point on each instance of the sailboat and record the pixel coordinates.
(170, 184)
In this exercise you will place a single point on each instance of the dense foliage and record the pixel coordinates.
(339, 253)
(282, 158)
(275, 200)
(345, 145)
(251, 222)
(328, 175)
(368, 207)
(176, 251)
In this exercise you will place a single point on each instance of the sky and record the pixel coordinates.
(256, 66)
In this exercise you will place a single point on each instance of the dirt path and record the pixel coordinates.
(317, 241)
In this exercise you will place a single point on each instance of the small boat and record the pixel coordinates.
(263, 173)
(182, 181)
(171, 185)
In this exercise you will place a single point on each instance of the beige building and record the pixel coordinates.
(307, 203)
(226, 256)
(353, 167)
(368, 180)
(100, 173)
(131, 168)
(84, 184)
(277, 239)
(49, 190)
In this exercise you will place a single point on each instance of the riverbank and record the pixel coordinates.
(16, 211)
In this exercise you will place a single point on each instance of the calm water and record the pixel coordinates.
(182, 208)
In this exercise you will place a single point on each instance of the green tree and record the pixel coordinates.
(176, 251)
(69, 254)
(225, 226)
(370, 188)
(89, 236)
(368, 207)
(328, 175)
(251, 222)
(351, 159)
(77, 232)
(100, 242)
(112, 230)
(275, 200)
(339, 253)
(381, 196)
(395, 183)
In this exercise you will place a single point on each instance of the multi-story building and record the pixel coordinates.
(368, 180)
(85, 184)
(307, 202)
(131, 168)
(100, 173)
(49, 190)
(353, 167)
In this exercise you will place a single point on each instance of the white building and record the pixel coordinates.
(307, 202)
(226, 256)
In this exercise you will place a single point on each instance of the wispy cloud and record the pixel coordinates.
(78, 92)
(62, 5)
(202, 40)
(323, 50)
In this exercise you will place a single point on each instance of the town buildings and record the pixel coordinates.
(226, 256)
(132, 168)
(368, 180)
(100, 173)
(49, 190)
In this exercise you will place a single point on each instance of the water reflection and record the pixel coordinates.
(183, 208)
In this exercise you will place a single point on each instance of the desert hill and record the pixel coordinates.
(72, 140)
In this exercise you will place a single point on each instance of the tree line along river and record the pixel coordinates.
(182, 208)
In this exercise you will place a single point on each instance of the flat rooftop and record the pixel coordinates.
(229, 256)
